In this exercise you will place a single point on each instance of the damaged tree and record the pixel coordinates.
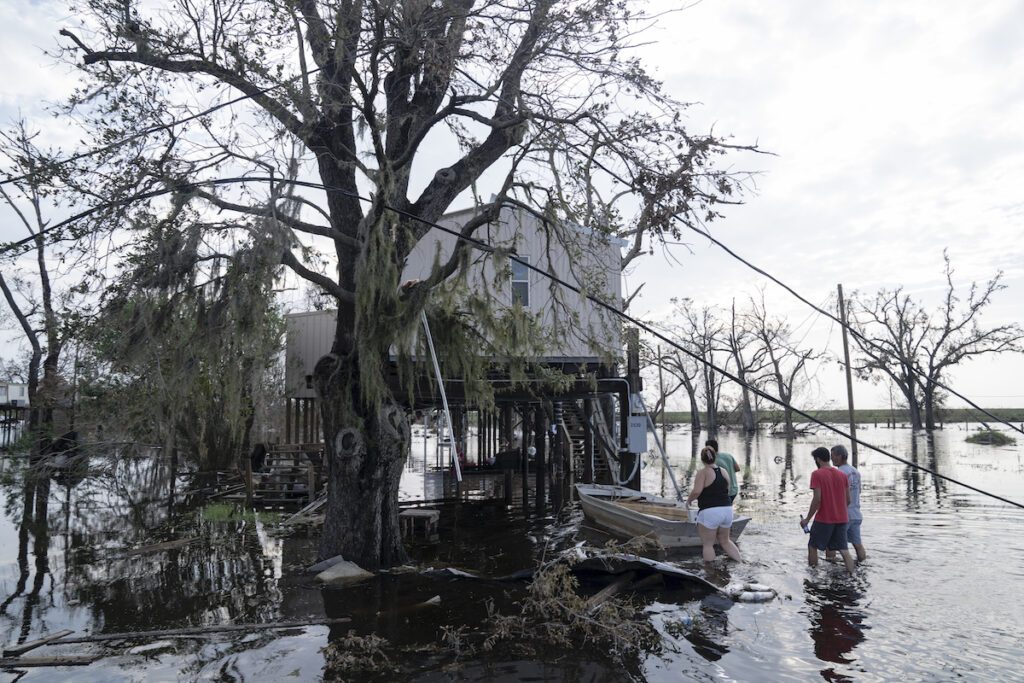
(372, 90)
(43, 310)
(899, 338)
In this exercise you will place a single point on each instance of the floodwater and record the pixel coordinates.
(937, 599)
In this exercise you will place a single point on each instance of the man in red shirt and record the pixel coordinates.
(831, 496)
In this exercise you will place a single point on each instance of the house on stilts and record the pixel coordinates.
(568, 417)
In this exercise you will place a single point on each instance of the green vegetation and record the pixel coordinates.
(990, 437)
(228, 512)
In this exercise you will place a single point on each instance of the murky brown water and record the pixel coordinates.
(938, 598)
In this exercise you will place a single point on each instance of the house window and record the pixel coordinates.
(521, 282)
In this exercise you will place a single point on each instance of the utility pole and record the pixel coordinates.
(661, 393)
(849, 374)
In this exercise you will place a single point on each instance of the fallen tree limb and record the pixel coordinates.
(65, 660)
(17, 650)
(200, 630)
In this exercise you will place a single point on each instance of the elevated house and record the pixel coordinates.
(13, 394)
(581, 341)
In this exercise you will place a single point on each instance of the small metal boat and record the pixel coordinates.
(632, 513)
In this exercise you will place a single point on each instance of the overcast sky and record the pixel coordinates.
(897, 130)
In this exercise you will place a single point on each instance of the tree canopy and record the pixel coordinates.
(412, 105)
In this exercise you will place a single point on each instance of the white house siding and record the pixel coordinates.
(13, 392)
(596, 332)
(591, 336)
(308, 338)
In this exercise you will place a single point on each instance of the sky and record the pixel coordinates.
(896, 131)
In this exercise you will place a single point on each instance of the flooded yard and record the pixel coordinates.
(937, 599)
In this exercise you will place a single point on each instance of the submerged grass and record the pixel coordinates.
(991, 437)
(229, 512)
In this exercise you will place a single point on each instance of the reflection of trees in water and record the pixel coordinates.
(33, 522)
(837, 623)
(230, 571)
(914, 478)
(691, 467)
(227, 574)
(788, 480)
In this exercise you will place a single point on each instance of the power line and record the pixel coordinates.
(157, 128)
(853, 331)
(702, 233)
(484, 246)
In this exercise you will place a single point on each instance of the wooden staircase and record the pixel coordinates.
(291, 476)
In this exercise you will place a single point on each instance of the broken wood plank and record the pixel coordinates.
(649, 581)
(312, 507)
(610, 590)
(64, 660)
(202, 630)
(17, 650)
(224, 492)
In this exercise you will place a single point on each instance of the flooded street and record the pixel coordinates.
(937, 599)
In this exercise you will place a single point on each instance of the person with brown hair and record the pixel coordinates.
(714, 520)
(831, 496)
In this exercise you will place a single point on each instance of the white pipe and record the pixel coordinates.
(444, 396)
(661, 449)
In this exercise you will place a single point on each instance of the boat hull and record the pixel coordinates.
(598, 502)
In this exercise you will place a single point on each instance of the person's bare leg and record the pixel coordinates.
(847, 560)
(830, 555)
(861, 553)
(725, 540)
(812, 556)
(707, 541)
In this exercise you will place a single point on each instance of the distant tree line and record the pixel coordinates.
(897, 340)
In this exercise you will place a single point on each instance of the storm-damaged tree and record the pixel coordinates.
(702, 333)
(45, 311)
(914, 347)
(181, 348)
(683, 373)
(787, 361)
(748, 361)
(412, 102)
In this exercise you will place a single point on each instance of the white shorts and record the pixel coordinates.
(715, 518)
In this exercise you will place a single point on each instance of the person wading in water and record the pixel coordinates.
(831, 496)
(839, 459)
(714, 521)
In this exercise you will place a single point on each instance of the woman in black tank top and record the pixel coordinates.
(714, 521)
(716, 494)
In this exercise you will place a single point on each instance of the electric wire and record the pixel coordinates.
(698, 231)
(829, 314)
(484, 246)
(157, 128)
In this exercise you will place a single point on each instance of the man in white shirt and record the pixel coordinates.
(839, 460)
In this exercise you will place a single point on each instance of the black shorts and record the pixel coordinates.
(825, 536)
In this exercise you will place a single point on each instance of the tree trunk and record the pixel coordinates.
(914, 408)
(929, 407)
(749, 423)
(694, 411)
(787, 413)
(366, 449)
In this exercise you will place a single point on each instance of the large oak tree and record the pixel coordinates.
(413, 103)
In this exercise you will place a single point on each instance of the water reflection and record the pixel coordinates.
(837, 622)
(73, 560)
(34, 523)
(915, 479)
